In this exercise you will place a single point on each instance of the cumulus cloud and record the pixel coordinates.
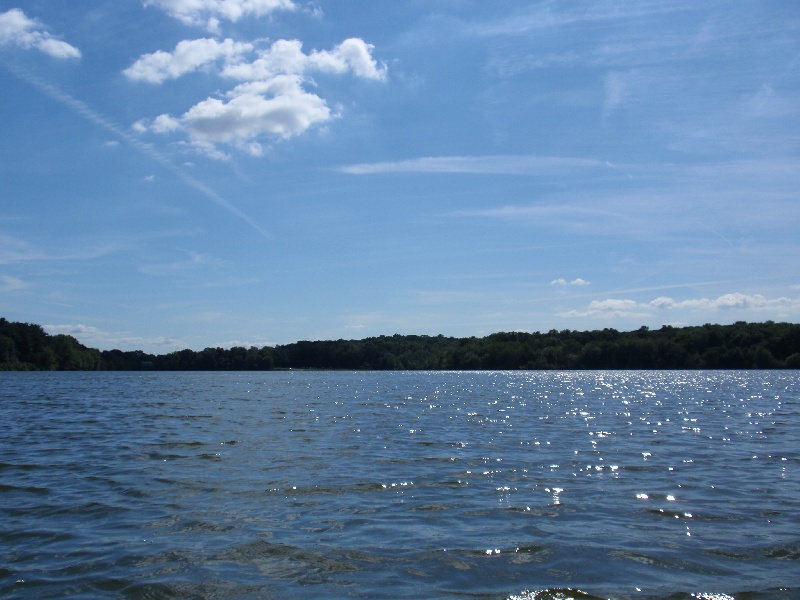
(612, 307)
(164, 124)
(352, 55)
(106, 340)
(563, 282)
(279, 107)
(17, 29)
(188, 56)
(726, 301)
(140, 126)
(286, 57)
(283, 57)
(209, 12)
(733, 301)
(271, 102)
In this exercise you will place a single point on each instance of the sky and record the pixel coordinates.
(216, 173)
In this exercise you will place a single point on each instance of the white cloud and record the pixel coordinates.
(188, 56)
(563, 282)
(615, 92)
(272, 100)
(542, 16)
(279, 107)
(106, 340)
(11, 284)
(193, 262)
(352, 55)
(17, 251)
(609, 308)
(165, 124)
(257, 343)
(287, 57)
(101, 121)
(17, 29)
(76, 329)
(755, 303)
(209, 12)
(14, 250)
(496, 164)
(726, 301)
(282, 57)
(616, 306)
(612, 304)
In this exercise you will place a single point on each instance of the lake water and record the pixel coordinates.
(497, 485)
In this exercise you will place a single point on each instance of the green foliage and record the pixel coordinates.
(742, 345)
(26, 347)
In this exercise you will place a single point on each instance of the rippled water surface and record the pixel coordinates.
(545, 485)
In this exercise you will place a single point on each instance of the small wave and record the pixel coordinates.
(788, 552)
(39, 536)
(292, 561)
(480, 553)
(670, 562)
(41, 491)
(181, 589)
(555, 594)
(91, 508)
(339, 490)
(175, 445)
(785, 553)
(194, 525)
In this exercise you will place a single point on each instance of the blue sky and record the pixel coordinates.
(193, 173)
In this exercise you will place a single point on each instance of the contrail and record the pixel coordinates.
(716, 233)
(91, 115)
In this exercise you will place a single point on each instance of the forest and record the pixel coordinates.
(768, 345)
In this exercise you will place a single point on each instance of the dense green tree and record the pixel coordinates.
(24, 346)
(767, 345)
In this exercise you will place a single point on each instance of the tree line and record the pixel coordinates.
(769, 345)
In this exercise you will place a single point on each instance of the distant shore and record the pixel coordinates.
(768, 345)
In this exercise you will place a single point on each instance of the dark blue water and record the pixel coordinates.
(647, 485)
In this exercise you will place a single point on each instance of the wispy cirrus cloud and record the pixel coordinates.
(493, 164)
(549, 15)
(9, 283)
(14, 250)
(17, 29)
(193, 262)
(100, 120)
